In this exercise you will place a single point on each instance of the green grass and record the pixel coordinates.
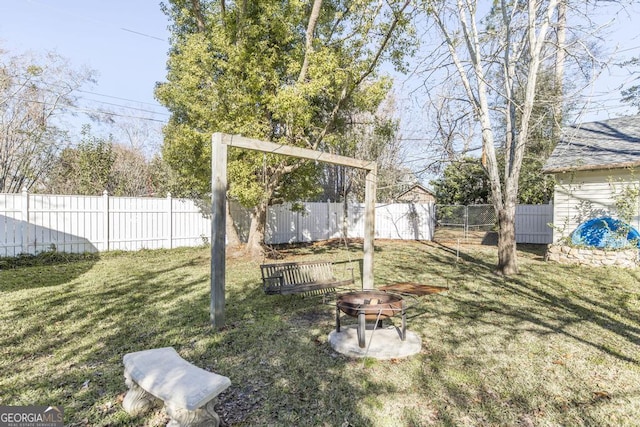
(555, 345)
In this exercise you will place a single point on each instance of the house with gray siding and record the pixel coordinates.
(593, 164)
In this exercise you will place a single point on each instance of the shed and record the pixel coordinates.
(416, 194)
(593, 164)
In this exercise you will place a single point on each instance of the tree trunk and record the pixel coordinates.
(507, 255)
(254, 247)
(233, 240)
(345, 219)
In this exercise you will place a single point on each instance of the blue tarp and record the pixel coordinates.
(605, 232)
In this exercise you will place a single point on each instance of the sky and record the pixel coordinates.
(620, 37)
(126, 42)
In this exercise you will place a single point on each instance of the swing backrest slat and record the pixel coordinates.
(300, 277)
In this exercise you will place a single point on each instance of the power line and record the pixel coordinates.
(142, 34)
(46, 86)
(127, 107)
(116, 97)
(108, 113)
(91, 20)
(94, 111)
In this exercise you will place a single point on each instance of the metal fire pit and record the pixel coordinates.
(370, 306)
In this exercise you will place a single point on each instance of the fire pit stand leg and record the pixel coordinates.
(361, 328)
(337, 318)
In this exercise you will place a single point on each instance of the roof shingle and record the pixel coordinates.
(607, 144)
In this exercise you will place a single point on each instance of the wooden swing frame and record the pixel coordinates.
(219, 144)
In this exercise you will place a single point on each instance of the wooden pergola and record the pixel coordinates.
(219, 143)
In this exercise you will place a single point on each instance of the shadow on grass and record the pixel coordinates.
(43, 270)
(65, 346)
(494, 312)
(273, 348)
(285, 371)
(547, 302)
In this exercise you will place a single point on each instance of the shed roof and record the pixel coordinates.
(418, 187)
(606, 144)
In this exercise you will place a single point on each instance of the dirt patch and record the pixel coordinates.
(470, 237)
(237, 403)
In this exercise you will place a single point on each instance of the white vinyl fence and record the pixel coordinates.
(532, 221)
(32, 223)
(322, 221)
(532, 224)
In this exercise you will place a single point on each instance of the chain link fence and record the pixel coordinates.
(458, 222)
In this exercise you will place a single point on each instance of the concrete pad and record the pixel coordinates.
(383, 343)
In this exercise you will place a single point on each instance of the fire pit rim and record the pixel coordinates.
(393, 304)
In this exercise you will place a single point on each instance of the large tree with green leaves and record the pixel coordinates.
(282, 71)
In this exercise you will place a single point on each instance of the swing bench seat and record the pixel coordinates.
(308, 277)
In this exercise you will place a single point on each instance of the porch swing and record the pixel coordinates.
(305, 277)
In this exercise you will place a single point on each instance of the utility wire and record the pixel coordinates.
(94, 111)
(91, 20)
(116, 97)
(100, 102)
(109, 113)
(46, 86)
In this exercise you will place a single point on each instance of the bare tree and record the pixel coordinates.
(371, 136)
(130, 175)
(452, 132)
(485, 55)
(34, 91)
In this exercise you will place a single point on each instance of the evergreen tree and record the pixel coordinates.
(280, 71)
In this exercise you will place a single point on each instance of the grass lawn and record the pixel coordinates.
(555, 345)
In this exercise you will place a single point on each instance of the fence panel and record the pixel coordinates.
(137, 223)
(337, 222)
(406, 221)
(189, 226)
(11, 224)
(65, 223)
(474, 221)
(282, 225)
(532, 224)
(315, 222)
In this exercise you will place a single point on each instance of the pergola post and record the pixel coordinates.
(218, 228)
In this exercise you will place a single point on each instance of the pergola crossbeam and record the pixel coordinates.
(289, 150)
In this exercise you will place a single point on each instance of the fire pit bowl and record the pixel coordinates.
(370, 306)
(373, 304)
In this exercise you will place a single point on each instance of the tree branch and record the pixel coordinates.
(348, 87)
(311, 27)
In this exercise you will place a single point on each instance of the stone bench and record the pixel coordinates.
(188, 392)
